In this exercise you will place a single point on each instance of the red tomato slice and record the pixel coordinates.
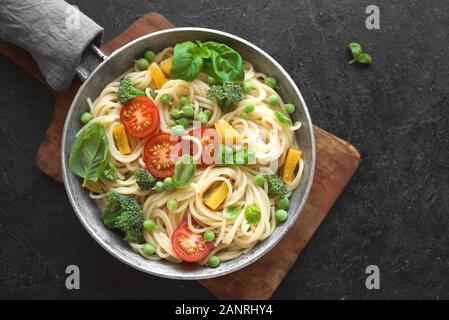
(189, 246)
(140, 117)
(159, 155)
(210, 139)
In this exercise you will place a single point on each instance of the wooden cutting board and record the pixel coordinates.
(336, 163)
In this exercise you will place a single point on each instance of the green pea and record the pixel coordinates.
(148, 249)
(172, 123)
(273, 100)
(184, 122)
(142, 64)
(165, 99)
(282, 202)
(259, 180)
(149, 55)
(149, 224)
(172, 204)
(289, 108)
(211, 81)
(250, 107)
(208, 113)
(244, 115)
(153, 94)
(246, 87)
(86, 117)
(168, 184)
(213, 262)
(252, 213)
(178, 131)
(176, 114)
(271, 82)
(188, 111)
(184, 101)
(209, 236)
(159, 186)
(281, 215)
(202, 117)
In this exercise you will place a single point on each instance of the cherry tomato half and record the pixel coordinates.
(140, 117)
(210, 139)
(189, 246)
(159, 155)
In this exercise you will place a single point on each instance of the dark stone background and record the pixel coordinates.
(393, 213)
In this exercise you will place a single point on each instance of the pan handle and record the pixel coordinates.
(91, 58)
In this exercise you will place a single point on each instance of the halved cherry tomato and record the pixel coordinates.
(210, 139)
(159, 155)
(140, 117)
(189, 246)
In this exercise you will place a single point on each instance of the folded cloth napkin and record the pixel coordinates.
(53, 31)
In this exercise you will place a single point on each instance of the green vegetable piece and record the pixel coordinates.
(149, 55)
(127, 91)
(202, 117)
(188, 111)
(365, 58)
(144, 179)
(208, 113)
(209, 236)
(110, 172)
(224, 63)
(244, 115)
(289, 108)
(148, 249)
(250, 107)
(184, 101)
(89, 154)
(225, 155)
(227, 95)
(86, 117)
(281, 215)
(275, 185)
(232, 212)
(244, 156)
(274, 100)
(184, 122)
(271, 82)
(149, 224)
(172, 204)
(358, 55)
(282, 118)
(165, 99)
(185, 169)
(142, 64)
(168, 184)
(211, 81)
(282, 202)
(252, 214)
(178, 131)
(246, 87)
(213, 262)
(124, 213)
(187, 61)
(176, 114)
(355, 48)
(153, 94)
(172, 123)
(259, 180)
(159, 186)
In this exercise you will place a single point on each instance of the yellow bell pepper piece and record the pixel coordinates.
(121, 139)
(216, 194)
(227, 132)
(292, 160)
(157, 75)
(166, 66)
(93, 186)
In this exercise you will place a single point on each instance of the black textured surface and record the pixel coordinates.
(393, 213)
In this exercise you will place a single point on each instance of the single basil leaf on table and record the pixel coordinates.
(89, 154)
(224, 64)
(185, 169)
(355, 48)
(232, 212)
(364, 58)
(187, 61)
(282, 118)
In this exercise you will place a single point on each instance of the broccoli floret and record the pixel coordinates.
(127, 91)
(124, 213)
(275, 185)
(227, 95)
(144, 179)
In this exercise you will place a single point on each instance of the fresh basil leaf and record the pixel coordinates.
(185, 169)
(89, 154)
(110, 172)
(187, 61)
(232, 212)
(224, 64)
(355, 48)
(364, 58)
(282, 118)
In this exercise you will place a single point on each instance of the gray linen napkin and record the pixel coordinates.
(53, 31)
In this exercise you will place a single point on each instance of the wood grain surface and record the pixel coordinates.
(337, 161)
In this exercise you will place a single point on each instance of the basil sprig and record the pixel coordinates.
(358, 55)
